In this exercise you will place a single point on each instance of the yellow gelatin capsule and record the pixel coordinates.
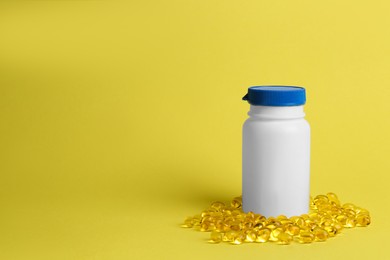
(321, 199)
(229, 235)
(325, 222)
(218, 205)
(270, 226)
(363, 220)
(275, 233)
(271, 220)
(361, 211)
(350, 223)
(286, 222)
(320, 234)
(332, 231)
(312, 205)
(305, 237)
(333, 198)
(217, 215)
(247, 226)
(196, 220)
(342, 219)
(293, 230)
(338, 226)
(250, 216)
(349, 206)
(326, 207)
(273, 223)
(281, 217)
(226, 227)
(305, 217)
(215, 237)
(284, 238)
(335, 210)
(239, 239)
(211, 227)
(205, 213)
(312, 225)
(236, 202)
(187, 223)
(204, 227)
(304, 229)
(298, 220)
(263, 235)
(219, 227)
(258, 226)
(236, 225)
(350, 213)
(314, 217)
(260, 219)
(251, 236)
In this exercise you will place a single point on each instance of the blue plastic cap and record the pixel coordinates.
(278, 96)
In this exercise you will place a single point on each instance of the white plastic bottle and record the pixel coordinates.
(276, 152)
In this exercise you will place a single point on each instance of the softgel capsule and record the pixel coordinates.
(327, 218)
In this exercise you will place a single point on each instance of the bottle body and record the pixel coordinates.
(276, 161)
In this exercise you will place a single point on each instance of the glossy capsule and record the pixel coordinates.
(284, 238)
(215, 237)
(251, 236)
(229, 236)
(305, 237)
(363, 220)
(236, 202)
(263, 235)
(239, 239)
(293, 229)
(275, 233)
(320, 234)
(187, 223)
(217, 205)
(333, 198)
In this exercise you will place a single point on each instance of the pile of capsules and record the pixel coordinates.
(327, 218)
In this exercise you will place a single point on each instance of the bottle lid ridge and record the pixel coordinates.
(276, 96)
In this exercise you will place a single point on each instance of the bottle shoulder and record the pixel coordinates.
(298, 124)
(254, 120)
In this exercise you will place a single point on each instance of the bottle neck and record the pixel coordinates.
(269, 112)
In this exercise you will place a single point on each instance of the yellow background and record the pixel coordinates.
(119, 119)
